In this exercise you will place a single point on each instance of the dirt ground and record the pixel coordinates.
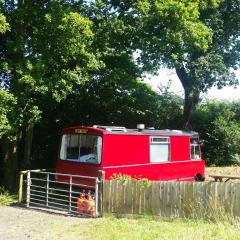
(27, 224)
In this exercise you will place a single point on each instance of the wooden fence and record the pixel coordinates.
(172, 199)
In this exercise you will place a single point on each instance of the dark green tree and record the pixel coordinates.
(46, 52)
(199, 39)
(218, 124)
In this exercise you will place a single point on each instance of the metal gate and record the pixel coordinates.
(61, 193)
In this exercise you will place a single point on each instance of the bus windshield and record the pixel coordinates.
(81, 148)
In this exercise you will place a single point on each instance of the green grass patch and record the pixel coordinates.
(148, 228)
(6, 198)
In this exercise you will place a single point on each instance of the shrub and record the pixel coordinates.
(6, 198)
(218, 124)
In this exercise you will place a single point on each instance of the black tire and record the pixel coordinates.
(199, 178)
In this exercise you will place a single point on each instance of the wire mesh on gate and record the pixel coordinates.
(63, 193)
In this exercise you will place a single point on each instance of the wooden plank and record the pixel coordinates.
(118, 197)
(171, 202)
(134, 197)
(161, 186)
(137, 198)
(181, 189)
(147, 200)
(168, 202)
(155, 200)
(167, 193)
(113, 192)
(232, 198)
(163, 199)
(141, 199)
(227, 204)
(110, 197)
(176, 200)
(106, 198)
(187, 200)
(128, 203)
(237, 201)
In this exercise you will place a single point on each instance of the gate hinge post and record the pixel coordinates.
(28, 187)
(99, 193)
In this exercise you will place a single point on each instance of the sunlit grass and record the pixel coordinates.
(233, 170)
(6, 198)
(149, 228)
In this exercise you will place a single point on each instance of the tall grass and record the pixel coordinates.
(6, 198)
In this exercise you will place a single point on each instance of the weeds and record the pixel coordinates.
(6, 198)
(124, 179)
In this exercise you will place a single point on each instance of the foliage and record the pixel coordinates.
(199, 39)
(124, 179)
(4, 26)
(218, 123)
(6, 198)
(47, 52)
(7, 105)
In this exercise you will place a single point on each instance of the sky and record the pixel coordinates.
(227, 93)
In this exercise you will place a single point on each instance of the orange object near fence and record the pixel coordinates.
(85, 204)
(80, 203)
(90, 205)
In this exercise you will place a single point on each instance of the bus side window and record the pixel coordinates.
(159, 149)
(195, 149)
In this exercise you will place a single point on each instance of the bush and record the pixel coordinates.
(218, 124)
(6, 198)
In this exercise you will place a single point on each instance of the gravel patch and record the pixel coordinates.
(18, 223)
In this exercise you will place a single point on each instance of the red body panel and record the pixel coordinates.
(130, 154)
(120, 150)
(180, 148)
(162, 171)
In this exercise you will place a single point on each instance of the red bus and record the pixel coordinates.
(142, 153)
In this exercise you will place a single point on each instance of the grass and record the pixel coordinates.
(6, 198)
(148, 228)
(233, 170)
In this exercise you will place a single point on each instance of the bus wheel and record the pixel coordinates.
(199, 178)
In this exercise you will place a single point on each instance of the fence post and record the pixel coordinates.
(47, 191)
(70, 195)
(28, 187)
(99, 192)
(20, 188)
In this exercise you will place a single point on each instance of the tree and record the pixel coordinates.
(218, 124)
(46, 53)
(4, 26)
(199, 39)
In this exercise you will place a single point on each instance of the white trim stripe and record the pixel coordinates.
(145, 164)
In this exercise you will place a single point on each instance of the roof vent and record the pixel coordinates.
(140, 126)
(177, 131)
(111, 128)
(151, 128)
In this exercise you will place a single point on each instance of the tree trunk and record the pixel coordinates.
(191, 98)
(28, 145)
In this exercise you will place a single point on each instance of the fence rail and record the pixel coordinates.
(172, 199)
(68, 194)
